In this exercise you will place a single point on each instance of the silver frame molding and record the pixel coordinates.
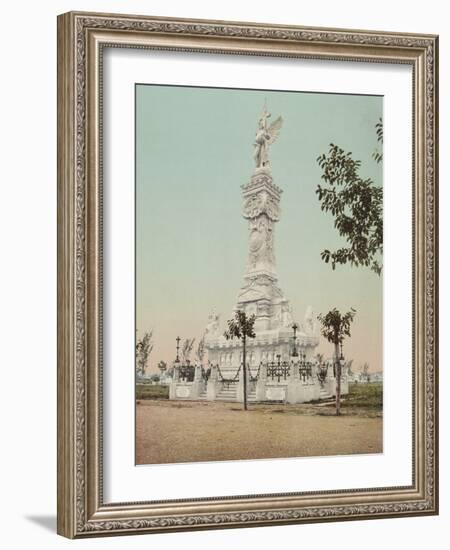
(81, 39)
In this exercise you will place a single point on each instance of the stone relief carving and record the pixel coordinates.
(261, 255)
(261, 203)
(309, 322)
(264, 308)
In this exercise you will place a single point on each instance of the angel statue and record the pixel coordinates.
(309, 326)
(265, 136)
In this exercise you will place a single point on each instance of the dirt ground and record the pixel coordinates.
(169, 431)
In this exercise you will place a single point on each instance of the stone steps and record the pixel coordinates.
(251, 396)
(325, 395)
(227, 394)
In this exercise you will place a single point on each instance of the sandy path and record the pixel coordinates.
(168, 431)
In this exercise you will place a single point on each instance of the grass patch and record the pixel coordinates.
(368, 396)
(149, 391)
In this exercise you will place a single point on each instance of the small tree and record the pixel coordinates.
(143, 349)
(335, 327)
(169, 372)
(241, 327)
(349, 364)
(365, 372)
(201, 350)
(188, 344)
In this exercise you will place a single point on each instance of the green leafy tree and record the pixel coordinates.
(242, 327)
(335, 327)
(377, 155)
(144, 347)
(356, 205)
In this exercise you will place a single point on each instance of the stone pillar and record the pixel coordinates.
(198, 373)
(294, 371)
(173, 384)
(330, 382)
(344, 381)
(261, 383)
(176, 374)
(293, 391)
(261, 208)
(240, 384)
(197, 385)
(211, 387)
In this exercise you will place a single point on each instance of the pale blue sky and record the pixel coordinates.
(194, 149)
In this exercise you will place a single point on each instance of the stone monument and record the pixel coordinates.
(260, 293)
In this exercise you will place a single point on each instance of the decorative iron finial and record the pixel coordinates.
(177, 360)
(294, 351)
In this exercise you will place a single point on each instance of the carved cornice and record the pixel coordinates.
(257, 518)
(253, 31)
(259, 181)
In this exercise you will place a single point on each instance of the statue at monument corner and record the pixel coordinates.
(286, 315)
(212, 328)
(265, 136)
(310, 325)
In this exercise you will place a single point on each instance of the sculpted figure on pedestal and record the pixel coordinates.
(265, 136)
(310, 325)
(286, 315)
(212, 328)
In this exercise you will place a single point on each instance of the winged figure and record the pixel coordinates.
(265, 136)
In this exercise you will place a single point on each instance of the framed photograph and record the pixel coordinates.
(247, 276)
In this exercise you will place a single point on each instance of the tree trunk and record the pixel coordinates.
(338, 378)
(244, 370)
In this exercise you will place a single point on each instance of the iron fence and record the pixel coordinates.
(186, 373)
(280, 370)
(305, 370)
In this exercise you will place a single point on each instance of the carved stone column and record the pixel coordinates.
(261, 209)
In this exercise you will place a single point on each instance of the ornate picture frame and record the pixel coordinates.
(82, 39)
